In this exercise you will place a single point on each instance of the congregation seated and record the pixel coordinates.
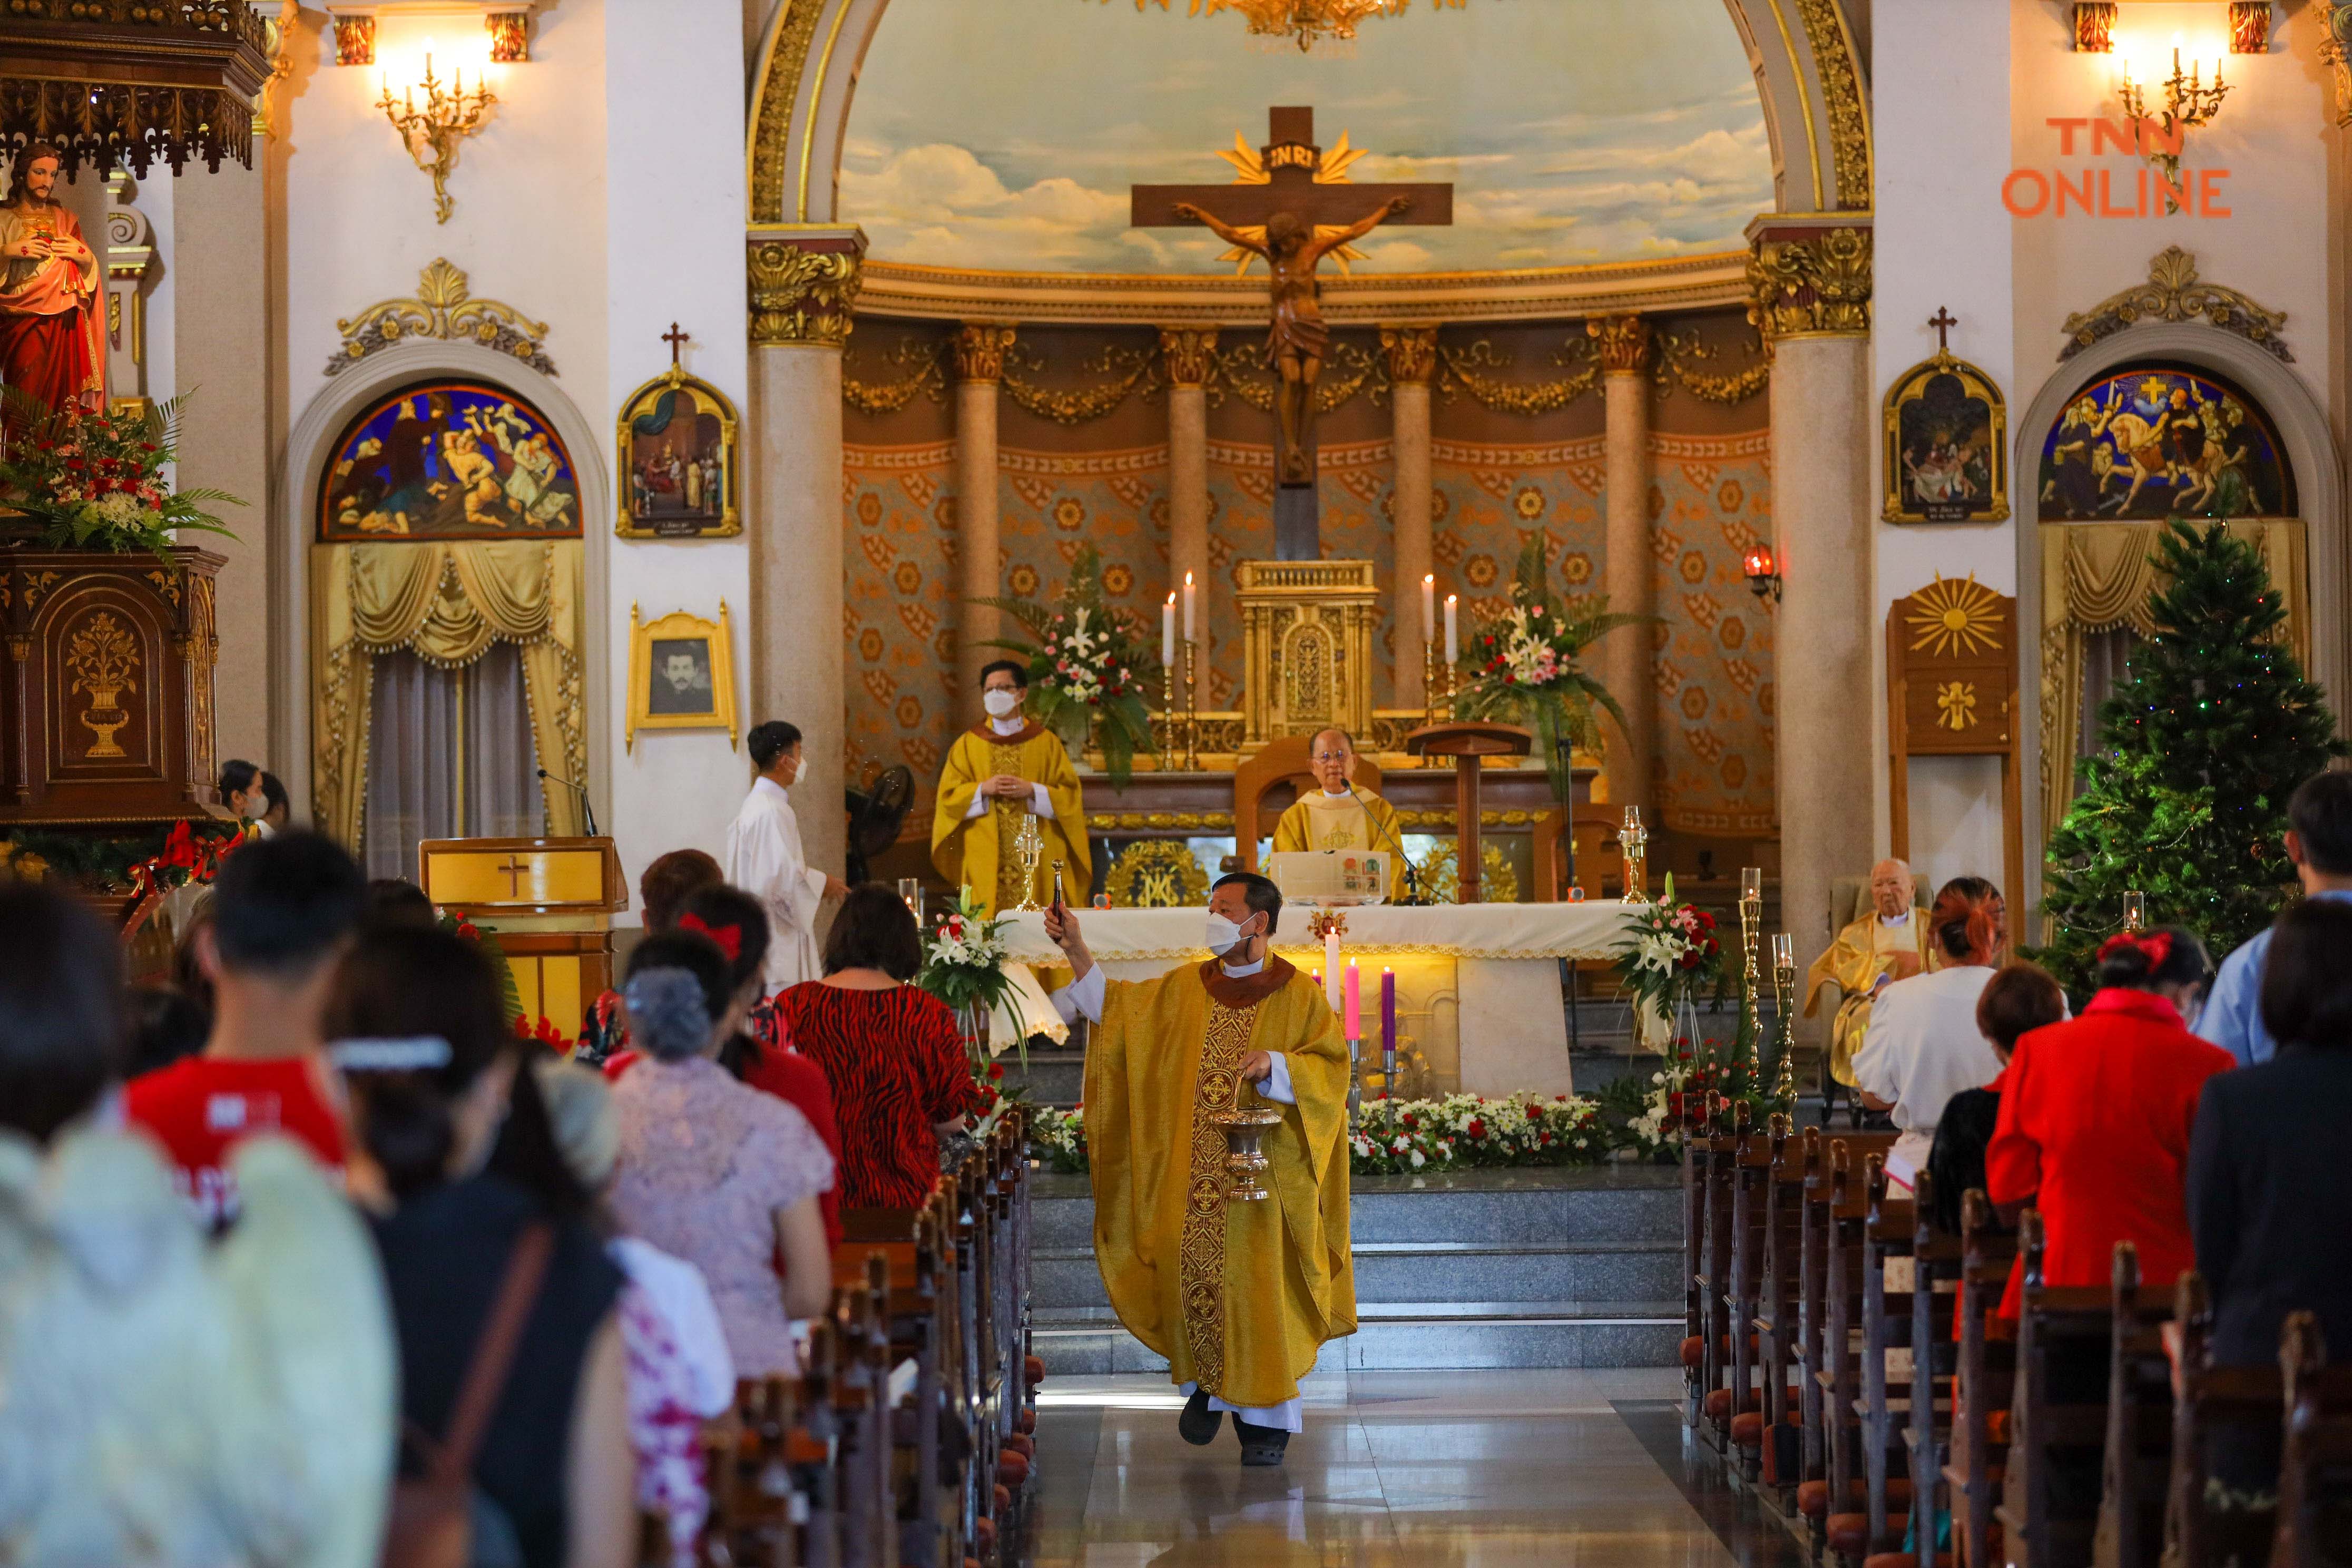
(2319, 845)
(1922, 1045)
(421, 1038)
(662, 892)
(892, 1053)
(2019, 998)
(713, 1171)
(2096, 1115)
(397, 902)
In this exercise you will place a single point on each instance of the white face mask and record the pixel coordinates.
(256, 807)
(1224, 934)
(1000, 703)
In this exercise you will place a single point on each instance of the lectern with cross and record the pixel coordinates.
(1292, 211)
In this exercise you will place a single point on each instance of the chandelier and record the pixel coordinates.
(1305, 23)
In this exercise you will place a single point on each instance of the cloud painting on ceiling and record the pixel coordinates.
(1004, 134)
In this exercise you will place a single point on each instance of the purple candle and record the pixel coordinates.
(1388, 1009)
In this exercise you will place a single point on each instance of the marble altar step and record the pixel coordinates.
(1483, 1268)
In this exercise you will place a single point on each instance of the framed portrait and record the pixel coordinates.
(676, 436)
(2150, 441)
(681, 674)
(1947, 445)
(449, 459)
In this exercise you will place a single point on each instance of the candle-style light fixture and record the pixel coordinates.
(431, 133)
(1763, 571)
(2189, 103)
(2134, 911)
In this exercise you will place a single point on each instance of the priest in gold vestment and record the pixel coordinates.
(1238, 1296)
(1339, 817)
(1001, 770)
(1887, 945)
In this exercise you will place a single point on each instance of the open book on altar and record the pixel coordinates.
(1330, 878)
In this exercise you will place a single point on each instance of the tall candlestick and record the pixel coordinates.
(1751, 915)
(1428, 608)
(1351, 996)
(1784, 995)
(1452, 631)
(1191, 611)
(1331, 969)
(1168, 633)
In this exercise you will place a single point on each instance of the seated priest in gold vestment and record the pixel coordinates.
(1887, 945)
(1002, 769)
(1238, 1296)
(1338, 815)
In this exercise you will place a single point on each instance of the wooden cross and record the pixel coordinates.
(676, 341)
(1291, 161)
(1943, 320)
(514, 871)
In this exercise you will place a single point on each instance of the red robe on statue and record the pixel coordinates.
(52, 343)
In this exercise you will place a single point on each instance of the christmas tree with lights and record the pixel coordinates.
(2185, 799)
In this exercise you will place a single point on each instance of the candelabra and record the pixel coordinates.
(445, 120)
(1192, 706)
(1633, 843)
(1436, 685)
(1167, 747)
(2189, 103)
(1751, 917)
(1784, 999)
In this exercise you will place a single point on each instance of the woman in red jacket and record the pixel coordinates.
(2096, 1115)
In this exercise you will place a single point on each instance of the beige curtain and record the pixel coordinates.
(2096, 577)
(447, 601)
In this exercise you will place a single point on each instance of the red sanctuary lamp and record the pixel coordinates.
(1763, 572)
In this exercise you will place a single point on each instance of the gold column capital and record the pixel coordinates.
(1809, 275)
(1625, 344)
(1190, 354)
(1411, 352)
(979, 348)
(803, 282)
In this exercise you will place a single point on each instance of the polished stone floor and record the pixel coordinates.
(1439, 1469)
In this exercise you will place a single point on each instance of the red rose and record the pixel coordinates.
(1411, 1121)
(1477, 1130)
(995, 1071)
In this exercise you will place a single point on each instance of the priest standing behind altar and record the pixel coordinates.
(1238, 1296)
(764, 857)
(1887, 945)
(1339, 816)
(1002, 769)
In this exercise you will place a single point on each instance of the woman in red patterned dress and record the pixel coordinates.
(891, 1053)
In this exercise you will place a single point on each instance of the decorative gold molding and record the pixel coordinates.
(803, 285)
(769, 155)
(2173, 293)
(925, 377)
(1625, 344)
(1348, 369)
(1189, 353)
(442, 309)
(1833, 65)
(2095, 26)
(1809, 281)
(2336, 54)
(1464, 370)
(2250, 27)
(1676, 354)
(1131, 372)
(1412, 354)
(979, 350)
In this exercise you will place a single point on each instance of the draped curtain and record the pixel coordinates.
(448, 602)
(446, 763)
(2097, 578)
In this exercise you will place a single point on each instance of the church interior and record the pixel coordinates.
(1540, 486)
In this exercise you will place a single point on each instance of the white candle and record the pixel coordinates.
(1331, 976)
(1191, 611)
(1453, 630)
(1168, 633)
(1428, 608)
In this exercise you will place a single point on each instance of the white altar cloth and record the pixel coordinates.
(1479, 985)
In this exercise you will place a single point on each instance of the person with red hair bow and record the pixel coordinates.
(2096, 1117)
(1922, 1046)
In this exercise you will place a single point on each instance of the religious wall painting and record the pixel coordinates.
(677, 449)
(449, 459)
(2148, 441)
(1946, 434)
(681, 674)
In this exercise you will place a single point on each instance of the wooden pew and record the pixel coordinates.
(2315, 1490)
(1759, 1396)
(2139, 1416)
(1887, 1351)
(1831, 1272)
(1864, 1229)
(1779, 1310)
(2050, 1498)
(2215, 1408)
(1729, 1129)
(1986, 1371)
(1926, 1435)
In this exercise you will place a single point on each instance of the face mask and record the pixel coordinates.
(1223, 935)
(256, 807)
(1000, 703)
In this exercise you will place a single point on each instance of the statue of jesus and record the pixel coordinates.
(52, 343)
(1296, 345)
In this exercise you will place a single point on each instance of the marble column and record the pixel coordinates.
(1809, 282)
(1630, 571)
(1412, 354)
(980, 369)
(1191, 356)
(803, 286)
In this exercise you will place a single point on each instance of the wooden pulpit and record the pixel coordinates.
(551, 902)
(1468, 743)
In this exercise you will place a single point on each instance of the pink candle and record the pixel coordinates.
(1353, 998)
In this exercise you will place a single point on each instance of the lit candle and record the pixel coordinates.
(1428, 608)
(1453, 630)
(1168, 633)
(1751, 884)
(1191, 611)
(1331, 969)
(1352, 999)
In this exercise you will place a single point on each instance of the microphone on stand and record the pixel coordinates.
(1412, 871)
(587, 808)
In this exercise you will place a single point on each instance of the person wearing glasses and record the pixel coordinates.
(1338, 815)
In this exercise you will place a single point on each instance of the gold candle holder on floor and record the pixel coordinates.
(1784, 998)
(1245, 1154)
(1633, 843)
(1751, 917)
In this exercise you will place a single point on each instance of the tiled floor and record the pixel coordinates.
(1477, 1469)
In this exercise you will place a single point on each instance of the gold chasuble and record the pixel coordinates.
(1863, 950)
(1237, 1296)
(976, 852)
(1320, 821)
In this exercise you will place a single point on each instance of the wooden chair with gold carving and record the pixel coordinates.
(1278, 763)
(1595, 829)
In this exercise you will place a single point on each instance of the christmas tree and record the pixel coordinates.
(2185, 800)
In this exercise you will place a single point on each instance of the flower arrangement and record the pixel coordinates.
(1057, 1139)
(1087, 660)
(1672, 954)
(509, 996)
(1520, 667)
(963, 966)
(95, 480)
(545, 1032)
(186, 858)
(1694, 1080)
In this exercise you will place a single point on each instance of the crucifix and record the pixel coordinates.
(676, 341)
(1292, 211)
(514, 871)
(1943, 320)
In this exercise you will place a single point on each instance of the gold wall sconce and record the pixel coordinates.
(431, 133)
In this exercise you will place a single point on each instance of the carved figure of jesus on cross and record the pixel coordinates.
(1292, 212)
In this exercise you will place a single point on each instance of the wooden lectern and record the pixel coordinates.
(549, 900)
(1468, 741)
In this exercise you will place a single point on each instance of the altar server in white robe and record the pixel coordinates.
(765, 860)
(1923, 1045)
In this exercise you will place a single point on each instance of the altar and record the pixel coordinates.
(1480, 1007)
